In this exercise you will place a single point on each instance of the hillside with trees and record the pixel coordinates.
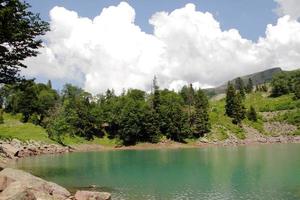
(136, 116)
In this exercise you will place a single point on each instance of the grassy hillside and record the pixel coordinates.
(13, 128)
(257, 78)
(222, 126)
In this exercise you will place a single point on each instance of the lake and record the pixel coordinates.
(263, 172)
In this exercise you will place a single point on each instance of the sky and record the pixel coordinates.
(101, 44)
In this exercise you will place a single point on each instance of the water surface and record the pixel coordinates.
(263, 172)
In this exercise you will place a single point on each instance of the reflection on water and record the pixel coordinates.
(255, 172)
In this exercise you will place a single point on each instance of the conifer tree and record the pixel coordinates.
(1, 116)
(249, 87)
(251, 114)
(230, 96)
(202, 123)
(49, 84)
(156, 95)
(240, 86)
(239, 110)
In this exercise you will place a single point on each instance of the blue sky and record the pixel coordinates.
(250, 17)
(203, 42)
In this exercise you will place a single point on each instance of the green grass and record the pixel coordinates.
(266, 104)
(291, 117)
(13, 128)
(222, 124)
(105, 141)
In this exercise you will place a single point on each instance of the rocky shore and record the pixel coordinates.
(19, 185)
(13, 149)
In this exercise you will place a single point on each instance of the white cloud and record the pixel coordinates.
(288, 7)
(187, 46)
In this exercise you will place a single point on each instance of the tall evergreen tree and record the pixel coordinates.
(1, 116)
(49, 84)
(202, 123)
(230, 96)
(19, 29)
(249, 87)
(239, 111)
(191, 102)
(240, 86)
(156, 95)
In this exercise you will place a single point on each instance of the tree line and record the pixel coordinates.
(134, 116)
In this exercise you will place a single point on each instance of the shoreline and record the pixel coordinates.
(58, 149)
(177, 145)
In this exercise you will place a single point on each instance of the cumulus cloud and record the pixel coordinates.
(288, 7)
(187, 46)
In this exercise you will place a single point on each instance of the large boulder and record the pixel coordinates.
(88, 195)
(8, 150)
(26, 184)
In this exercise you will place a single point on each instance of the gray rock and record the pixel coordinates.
(88, 195)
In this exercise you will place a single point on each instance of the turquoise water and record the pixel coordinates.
(263, 172)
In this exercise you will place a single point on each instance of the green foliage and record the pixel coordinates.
(240, 86)
(13, 128)
(1, 117)
(74, 116)
(251, 114)
(29, 98)
(202, 124)
(291, 117)
(222, 125)
(173, 121)
(297, 90)
(239, 110)
(156, 96)
(266, 104)
(230, 98)
(285, 83)
(249, 87)
(19, 29)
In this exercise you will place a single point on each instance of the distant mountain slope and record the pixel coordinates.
(257, 78)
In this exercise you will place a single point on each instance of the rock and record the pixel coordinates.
(29, 184)
(4, 182)
(16, 143)
(17, 191)
(8, 150)
(204, 140)
(87, 195)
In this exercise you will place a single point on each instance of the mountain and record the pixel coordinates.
(257, 78)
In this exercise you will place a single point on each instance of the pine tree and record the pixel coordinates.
(156, 96)
(1, 116)
(251, 114)
(202, 123)
(240, 86)
(230, 96)
(191, 102)
(49, 84)
(249, 87)
(239, 110)
(297, 90)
